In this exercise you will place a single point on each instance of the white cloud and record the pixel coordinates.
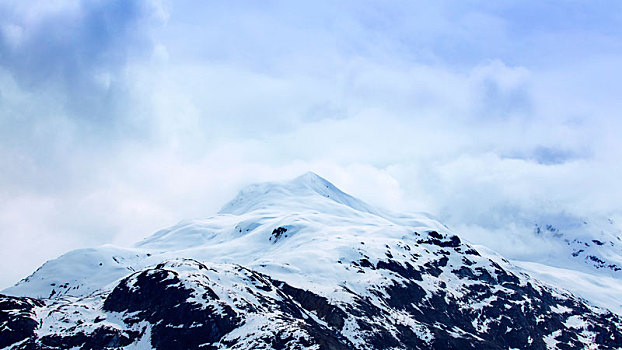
(119, 118)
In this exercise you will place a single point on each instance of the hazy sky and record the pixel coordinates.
(118, 118)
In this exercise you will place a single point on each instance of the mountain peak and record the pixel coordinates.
(308, 191)
(317, 184)
(310, 177)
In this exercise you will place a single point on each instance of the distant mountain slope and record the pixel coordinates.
(581, 254)
(296, 265)
(595, 243)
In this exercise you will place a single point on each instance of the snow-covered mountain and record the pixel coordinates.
(581, 254)
(297, 265)
(593, 243)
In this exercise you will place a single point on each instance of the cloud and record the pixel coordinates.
(76, 50)
(118, 118)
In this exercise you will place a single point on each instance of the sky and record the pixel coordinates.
(121, 117)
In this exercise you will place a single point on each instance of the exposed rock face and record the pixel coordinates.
(17, 319)
(159, 297)
(20, 328)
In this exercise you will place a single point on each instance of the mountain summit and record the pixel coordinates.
(297, 264)
(308, 191)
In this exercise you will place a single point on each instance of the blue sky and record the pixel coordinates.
(118, 118)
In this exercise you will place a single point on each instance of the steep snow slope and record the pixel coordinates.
(298, 264)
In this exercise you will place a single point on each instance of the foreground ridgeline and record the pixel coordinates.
(296, 265)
